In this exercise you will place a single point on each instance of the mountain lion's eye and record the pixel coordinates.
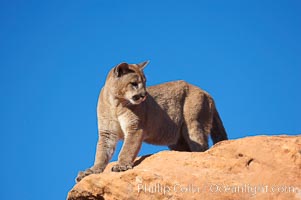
(134, 84)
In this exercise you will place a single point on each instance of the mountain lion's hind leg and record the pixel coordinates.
(197, 137)
(198, 119)
(181, 144)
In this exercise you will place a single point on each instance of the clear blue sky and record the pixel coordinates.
(54, 58)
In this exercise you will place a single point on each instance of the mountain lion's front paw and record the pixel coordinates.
(121, 167)
(85, 173)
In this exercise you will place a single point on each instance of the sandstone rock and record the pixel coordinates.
(260, 167)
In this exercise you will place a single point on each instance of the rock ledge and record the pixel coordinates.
(259, 167)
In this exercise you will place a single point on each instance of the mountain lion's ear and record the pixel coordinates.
(143, 65)
(121, 69)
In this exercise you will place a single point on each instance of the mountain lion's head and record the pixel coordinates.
(127, 83)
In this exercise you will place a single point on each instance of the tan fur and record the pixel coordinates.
(176, 114)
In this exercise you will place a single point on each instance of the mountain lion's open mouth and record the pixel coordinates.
(139, 98)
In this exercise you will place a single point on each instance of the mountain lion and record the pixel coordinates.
(176, 114)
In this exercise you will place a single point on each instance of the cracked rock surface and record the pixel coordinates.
(259, 167)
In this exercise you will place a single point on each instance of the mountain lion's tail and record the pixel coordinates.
(218, 132)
